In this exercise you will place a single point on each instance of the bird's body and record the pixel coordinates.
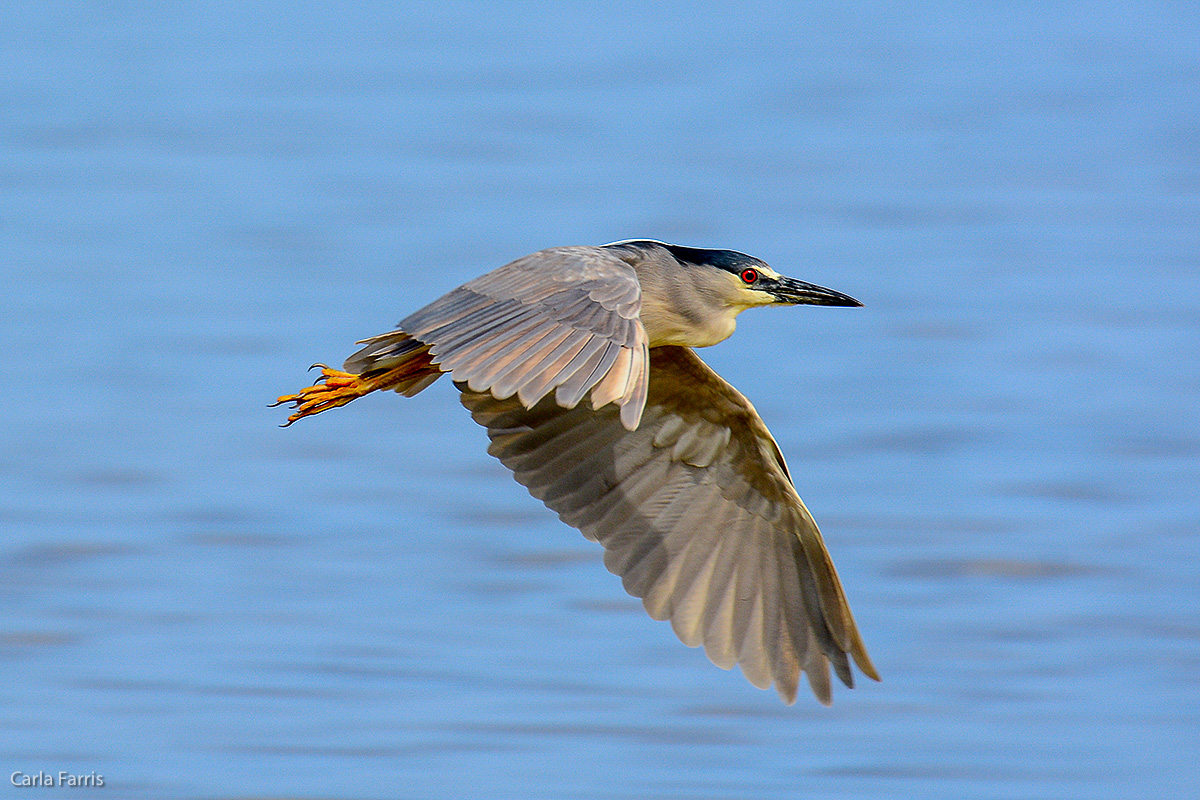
(667, 465)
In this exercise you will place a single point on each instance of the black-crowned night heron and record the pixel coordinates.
(667, 466)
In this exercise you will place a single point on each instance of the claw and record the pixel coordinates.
(334, 388)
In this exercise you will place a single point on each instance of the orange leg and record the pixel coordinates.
(334, 388)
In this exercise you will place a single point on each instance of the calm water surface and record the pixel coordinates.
(1003, 447)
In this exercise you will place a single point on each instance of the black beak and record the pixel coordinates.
(794, 292)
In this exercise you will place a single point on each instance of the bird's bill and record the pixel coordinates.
(794, 292)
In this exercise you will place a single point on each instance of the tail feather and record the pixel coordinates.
(394, 361)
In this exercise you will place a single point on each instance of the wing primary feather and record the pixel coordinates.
(475, 349)
(819, 628)
(788, 645)
(478, 326)
(669, 518)
(751, 657)
(460, 304)
(692, 592)
(496, 331)
(817, 670)
(718, 616)
(774, 649)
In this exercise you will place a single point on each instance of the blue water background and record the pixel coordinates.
(198, 200)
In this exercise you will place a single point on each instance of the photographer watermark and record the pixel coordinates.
(60, 778)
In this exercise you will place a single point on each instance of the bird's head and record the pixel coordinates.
(691, 295)
(746, 281)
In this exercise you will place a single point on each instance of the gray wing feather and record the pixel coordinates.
(563, 320)
(696, 513)
(572, 390)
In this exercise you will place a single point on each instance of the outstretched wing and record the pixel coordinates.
(698, 516)
(563, 320)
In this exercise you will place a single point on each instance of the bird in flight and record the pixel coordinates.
(579, 362)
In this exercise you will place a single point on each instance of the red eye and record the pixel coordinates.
(749, 275)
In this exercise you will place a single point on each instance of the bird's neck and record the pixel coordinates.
(666, 326)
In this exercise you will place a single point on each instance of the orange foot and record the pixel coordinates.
(334, 388)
